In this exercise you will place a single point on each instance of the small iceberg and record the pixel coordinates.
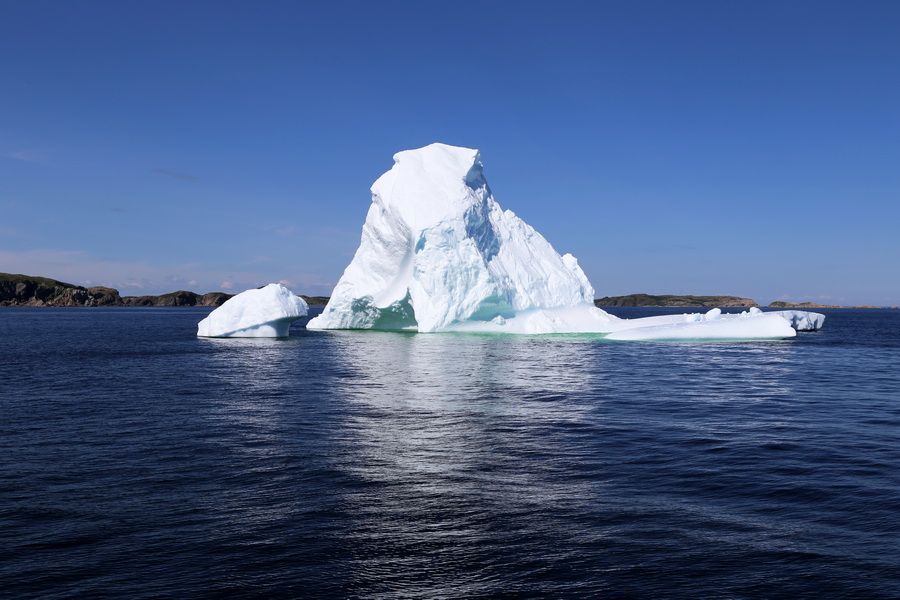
(266, 312)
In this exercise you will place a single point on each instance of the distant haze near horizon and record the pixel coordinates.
(677, 148)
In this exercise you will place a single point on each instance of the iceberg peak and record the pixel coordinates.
(431, 184)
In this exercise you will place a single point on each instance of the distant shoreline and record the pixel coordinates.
(37, 292)
(689, 301)
(42, 292)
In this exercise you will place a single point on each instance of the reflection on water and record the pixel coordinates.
(468, 442)
(146, 462)
(442, 428)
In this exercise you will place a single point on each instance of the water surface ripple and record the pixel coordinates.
(138, 461)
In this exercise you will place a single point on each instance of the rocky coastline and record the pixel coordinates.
(28, 290)
(35, 291)
(676, 301)
(807, 305)
(786, 304)
(671, 300)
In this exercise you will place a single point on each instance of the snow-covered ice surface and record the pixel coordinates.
(264, 312)
(710, 326)
(438, 253)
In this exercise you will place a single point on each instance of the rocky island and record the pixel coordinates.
(29, 290)
(804, 305)
(786, 304)
(676, 301)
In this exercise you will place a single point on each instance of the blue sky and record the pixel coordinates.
(673, 147)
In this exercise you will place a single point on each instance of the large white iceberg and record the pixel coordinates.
(264, 312)
(437, 250)
(438, 253)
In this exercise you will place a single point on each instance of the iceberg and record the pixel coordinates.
(438, 254)
(264, 312)
(748, 325)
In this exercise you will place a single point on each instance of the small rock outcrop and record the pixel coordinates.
(214, 299)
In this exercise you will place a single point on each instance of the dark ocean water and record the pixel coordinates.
(138, 461)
